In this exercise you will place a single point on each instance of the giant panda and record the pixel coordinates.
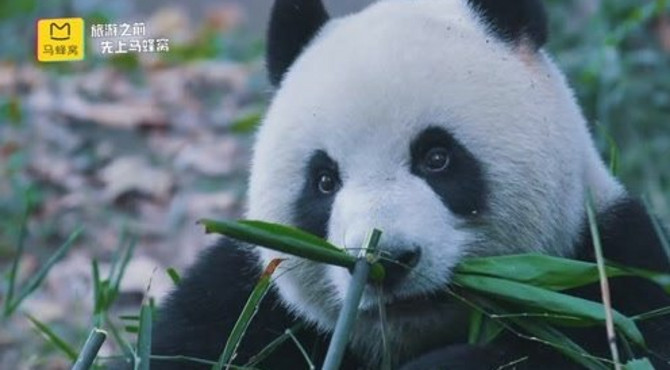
(445, 124)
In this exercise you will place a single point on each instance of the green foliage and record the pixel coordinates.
(142, 361)
(248, 122)
(11, 302)
(614, 60)
(174, 275)
(11, 9)
(53, 338)
(10, 110)
(248, 312)
(497, 287)
(106, 291)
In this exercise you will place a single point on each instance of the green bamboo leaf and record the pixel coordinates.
(539, 331)
(289, 232)
(483, 329)
(661, 279)
(544, 271)
(174, 276)
(548, 301)
(553, 273)
(288, 240)
(639, 364)
(248, 312)
(53, 338)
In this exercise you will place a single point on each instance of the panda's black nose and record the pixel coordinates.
(398, 263)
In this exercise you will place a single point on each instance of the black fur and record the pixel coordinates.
(515, 20)
(461, 186)
(197, 318)
(293, 23)
(312, 209)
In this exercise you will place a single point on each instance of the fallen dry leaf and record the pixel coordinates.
(133, 173)
(212, 157)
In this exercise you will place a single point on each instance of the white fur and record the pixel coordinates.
(366, 86)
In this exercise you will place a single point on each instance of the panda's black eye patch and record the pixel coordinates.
(449, 168)
(323, 173)
(315, 201)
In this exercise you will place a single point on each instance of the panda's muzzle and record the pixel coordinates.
(397, 263)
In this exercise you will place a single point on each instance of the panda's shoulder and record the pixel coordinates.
(197, 317)
(628, 236)
(222, 275)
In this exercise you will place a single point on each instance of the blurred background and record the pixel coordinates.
(134, 148)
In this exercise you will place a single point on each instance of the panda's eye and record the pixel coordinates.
(436, 159)
(327, 183)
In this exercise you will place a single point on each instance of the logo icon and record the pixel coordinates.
(59, 32)
(60, 39)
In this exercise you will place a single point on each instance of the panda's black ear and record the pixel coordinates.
(293, 23)
(515, 21)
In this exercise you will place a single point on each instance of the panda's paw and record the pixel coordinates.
(456, 357)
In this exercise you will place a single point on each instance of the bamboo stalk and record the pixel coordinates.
(90, 350)
(347, 316)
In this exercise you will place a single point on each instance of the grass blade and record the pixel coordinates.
(20, 246)
(53, 338)
(117, 272)
(142, 361)
(97, 292)
(36, 280)
(272, 346)
(248, 312)
(652, 314)
(90, 350)
(302, 350)
(662, 236)
(604, 283)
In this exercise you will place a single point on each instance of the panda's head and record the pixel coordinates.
(441, 122)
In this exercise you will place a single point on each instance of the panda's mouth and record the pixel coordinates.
(413, 305)
(418, 301)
